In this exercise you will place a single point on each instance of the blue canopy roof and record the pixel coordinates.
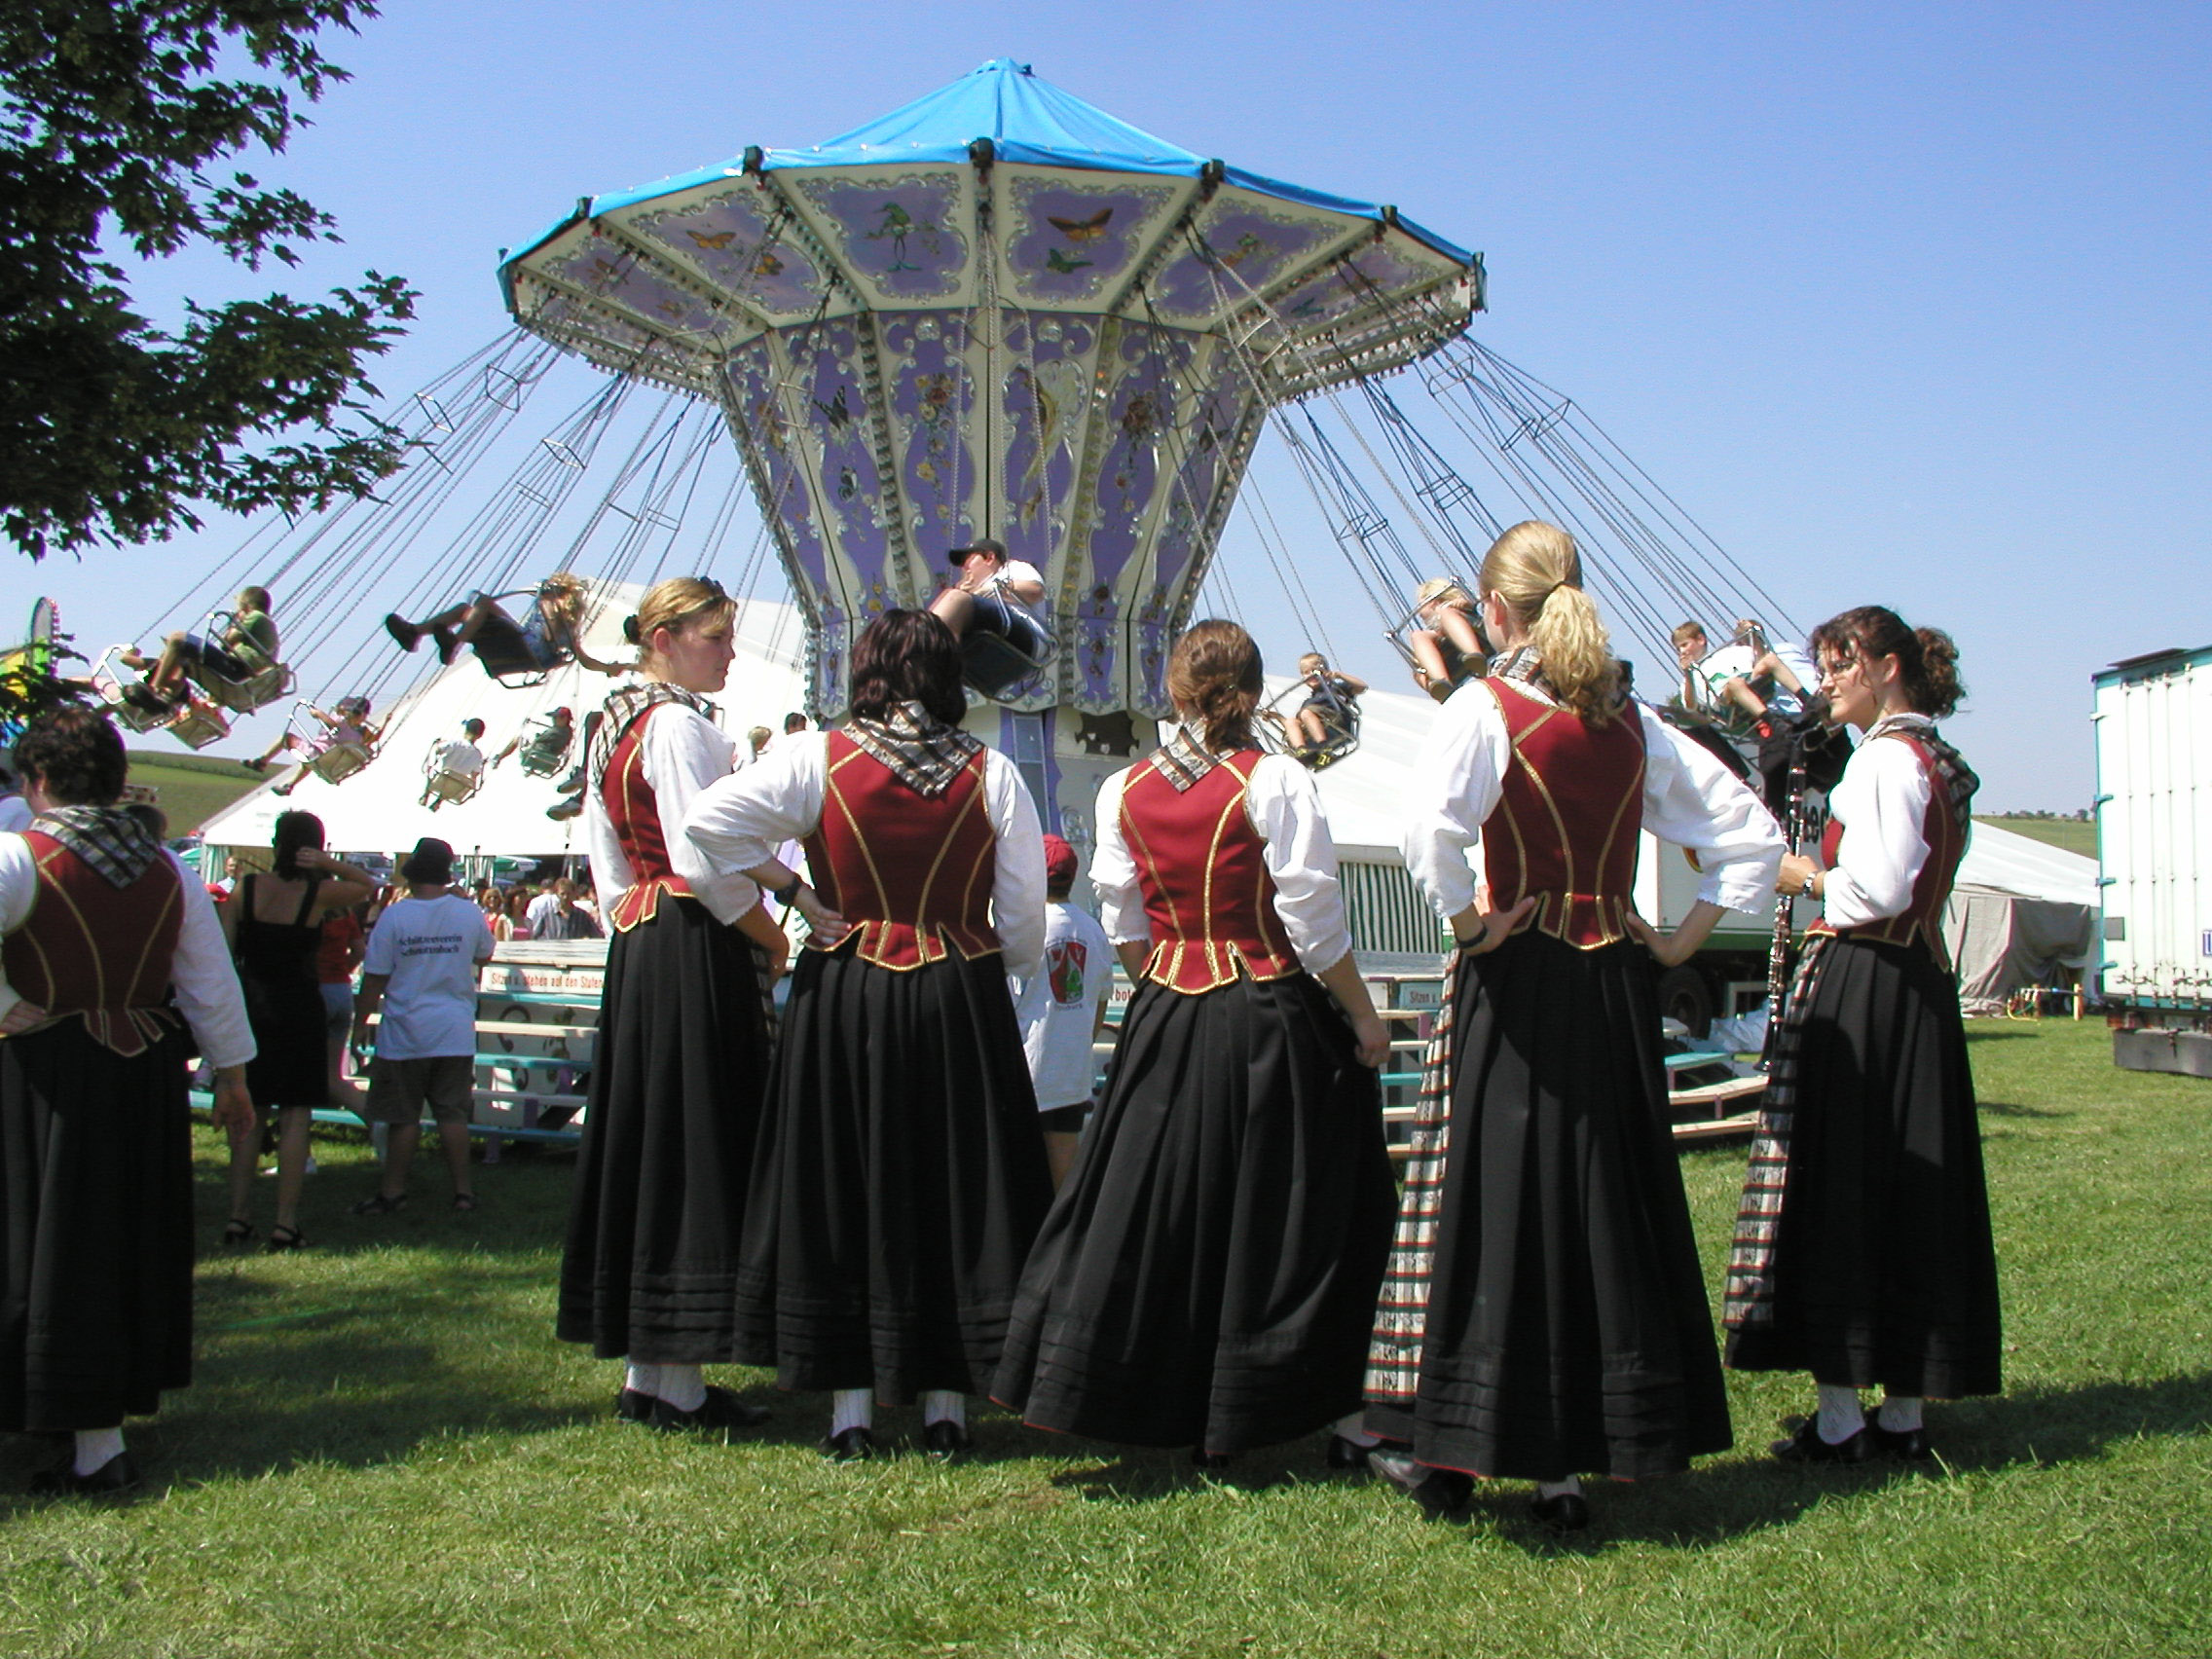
(1028, 121)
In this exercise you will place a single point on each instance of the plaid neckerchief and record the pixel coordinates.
(109, 839)
(920, 751)
(1183, 759)
(1958, 782)
(1523, 667)
(621, 712)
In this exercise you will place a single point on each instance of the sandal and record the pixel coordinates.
(378, 1204)
(282, 1239)
(237, 1229)
(466, 1203)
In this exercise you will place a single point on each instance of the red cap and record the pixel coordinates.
(1059, 862)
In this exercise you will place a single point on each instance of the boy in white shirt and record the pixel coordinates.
(1061, 1007)
(990, 607)
(420, 966)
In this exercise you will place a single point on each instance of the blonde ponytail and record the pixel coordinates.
(1536, 569)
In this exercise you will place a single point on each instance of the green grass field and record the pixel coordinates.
(2068, 835)
(194, 787)
(387, 1452)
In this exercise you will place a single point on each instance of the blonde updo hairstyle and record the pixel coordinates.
(1214, 673)
(677, 603)
(1537, 569)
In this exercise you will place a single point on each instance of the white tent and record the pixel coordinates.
(2020, 915)
(380, 810)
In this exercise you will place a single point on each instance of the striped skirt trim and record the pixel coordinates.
(1401, 1315)
(1749, 1299)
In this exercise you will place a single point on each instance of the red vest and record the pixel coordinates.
(910, 872)
(1922, 918)
(634, 811)
(1203, 869)
(96, 950)
(1565, 827)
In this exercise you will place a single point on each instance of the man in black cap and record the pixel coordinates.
(421, 968)
(988, 607)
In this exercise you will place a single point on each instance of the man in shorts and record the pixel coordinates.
(421, 970)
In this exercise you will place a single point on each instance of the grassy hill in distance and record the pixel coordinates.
(193, 788)
(2068, 835)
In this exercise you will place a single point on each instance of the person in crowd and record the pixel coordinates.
(275, 925)
(109, 950)
(899, 1177)
(1446, 647)
(461, 759)
(544, 905)
(567, 919)
(990, 604)
(347, 728)
(1330, 710)
(1207, 1276)
(649, 1271)
(14, 811)
(420, 972)
(547, 747)
(1544, 1315)
(519, 899)
(336, 959)
(549, 635)
(1862, 1250)
(1062, 1009)
(757, 741)
(494, 903)
(248, 646)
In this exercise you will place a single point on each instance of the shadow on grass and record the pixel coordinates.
(2011, 1109)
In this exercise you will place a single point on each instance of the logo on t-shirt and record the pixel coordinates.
(1064, 962)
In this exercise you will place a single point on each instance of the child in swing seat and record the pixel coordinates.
(1326, 714)
(1446, 647)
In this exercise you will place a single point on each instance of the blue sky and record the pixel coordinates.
(1905, 304)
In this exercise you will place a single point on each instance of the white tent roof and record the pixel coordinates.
(2001, 861)
(377, 810)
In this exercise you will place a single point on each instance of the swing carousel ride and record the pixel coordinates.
(995, 313)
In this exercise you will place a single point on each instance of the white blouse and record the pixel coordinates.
(1690, 799)
(741, 821)
(683, 752)
(200, 975)
(1284, 806)
(1881, 802)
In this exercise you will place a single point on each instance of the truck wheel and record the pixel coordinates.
(1684, 996)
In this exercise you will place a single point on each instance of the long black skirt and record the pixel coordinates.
(657, 1222)
(96, 1229)
(1207, 1276)
(899, 1181)
(1884, 1272)
(1567, 1330)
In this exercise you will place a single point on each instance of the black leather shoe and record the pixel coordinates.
(720, 1410)
(1908, 1444)
(1807, 1447)
(634, 1405)
(1569, 1512)
(1213, 1463)
(1444, 1494)
(850, 1446)
(1346, 1457)
(119, 1473)
(944, 1440)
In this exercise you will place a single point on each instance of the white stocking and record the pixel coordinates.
(944, 1405)
(682, 1387)
(1841, 1414)
(851, 1407)
(97, 1448)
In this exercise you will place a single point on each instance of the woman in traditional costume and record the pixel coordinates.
(649, 1270)
(1544, 1313)
(1863, 1249)
(1207, 1276)
(111, 950)
(901, 1176)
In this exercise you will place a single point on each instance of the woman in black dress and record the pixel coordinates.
(649, 1269)
(1206, 1277)
(275, 925)
(901, 1175)
(1544, 1313)
(1862, 1248)
(109, 948)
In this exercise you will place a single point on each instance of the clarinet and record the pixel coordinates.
(1785, 905)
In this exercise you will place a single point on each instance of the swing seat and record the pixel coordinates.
(272, 685)
(339, 762)
(510, 668)
(993, 666)
(542, 764)
(112, 680)
(1334, 750)
(452, 788)
(198, 724)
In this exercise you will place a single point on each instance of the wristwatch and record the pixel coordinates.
(788, 893)
(1811, 876)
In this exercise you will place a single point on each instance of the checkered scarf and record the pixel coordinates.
(1183, 759)
(622, 711)
(1958, 782)
(920, 749)
(106, 837)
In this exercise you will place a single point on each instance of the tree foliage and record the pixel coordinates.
(112, 115)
